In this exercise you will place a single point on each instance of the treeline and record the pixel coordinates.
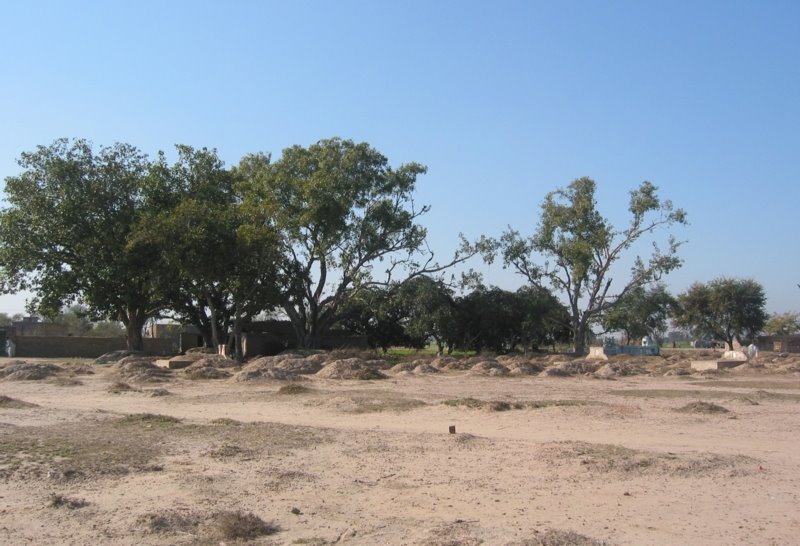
(329, 236)
(485, 319)
(132, 238)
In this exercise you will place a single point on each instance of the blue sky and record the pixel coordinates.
(503, 101)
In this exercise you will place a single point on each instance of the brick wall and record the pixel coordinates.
(84, 347)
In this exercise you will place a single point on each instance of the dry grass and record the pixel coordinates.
(171, 522)
(7, 402)
(558, 537)
(501, 405)
(367, 402)
(238, 525)
(294, 388)
(753, 384)
(119, 387)
(78, 451)
(609, 458)
(61, 501)
(228, 451)
(714, 394)
(149, 420)
(702, 407)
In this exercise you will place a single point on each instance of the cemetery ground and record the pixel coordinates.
(352, 449)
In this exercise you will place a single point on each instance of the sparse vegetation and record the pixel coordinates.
(238, 525)
(12, 403)
(501, 405)
(702, 407)
(61, 501)
(294, 388)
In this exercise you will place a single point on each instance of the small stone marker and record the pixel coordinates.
(452, 429)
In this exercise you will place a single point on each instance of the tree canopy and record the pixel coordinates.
(641, 312)
(347, 221)
(723, 309)
(783, 324)
(65, 233)
(579, 247)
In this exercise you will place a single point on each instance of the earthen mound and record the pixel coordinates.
(292, 363)
(116, 356)
(530, 368)
(403, 367)
(141, 370)
(349, 368)
(266, 374)
(27, 371)
(205, 372)
(488, 367)
(425, 369)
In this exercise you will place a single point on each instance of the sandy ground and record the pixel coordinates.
(373, 462)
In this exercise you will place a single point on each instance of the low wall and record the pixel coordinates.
(84, 347)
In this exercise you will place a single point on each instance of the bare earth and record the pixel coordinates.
(547, 460)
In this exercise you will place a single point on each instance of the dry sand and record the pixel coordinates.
(92, 459)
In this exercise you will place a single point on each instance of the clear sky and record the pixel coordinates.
(503, 101)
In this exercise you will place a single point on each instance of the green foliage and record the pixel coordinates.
(723, 309)
(341, 211)
(783, 324)
(501, 321)
(580, 247)
(641, 312)
(64, 234)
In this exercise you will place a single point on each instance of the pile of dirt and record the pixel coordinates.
(425, 368)
(457, 364)
(524, 368)
(6, 402)
(488, 367)
(349, 368)
(612, 370)
(212, 361)
(141, 370)
(403, 367)
(702, 407)
(442, 362)
(205, 372)
(290, 363)
(116, 356)
(554, 371)
(266, 374)
(19, 370)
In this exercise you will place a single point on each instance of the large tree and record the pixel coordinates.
(579, 247)
(347, 221)
(723, 309)
(64, 235)
(218, 259)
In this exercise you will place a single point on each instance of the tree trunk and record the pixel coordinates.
(579, 338)
(133, 332)
(237, 335)
(215, 333)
